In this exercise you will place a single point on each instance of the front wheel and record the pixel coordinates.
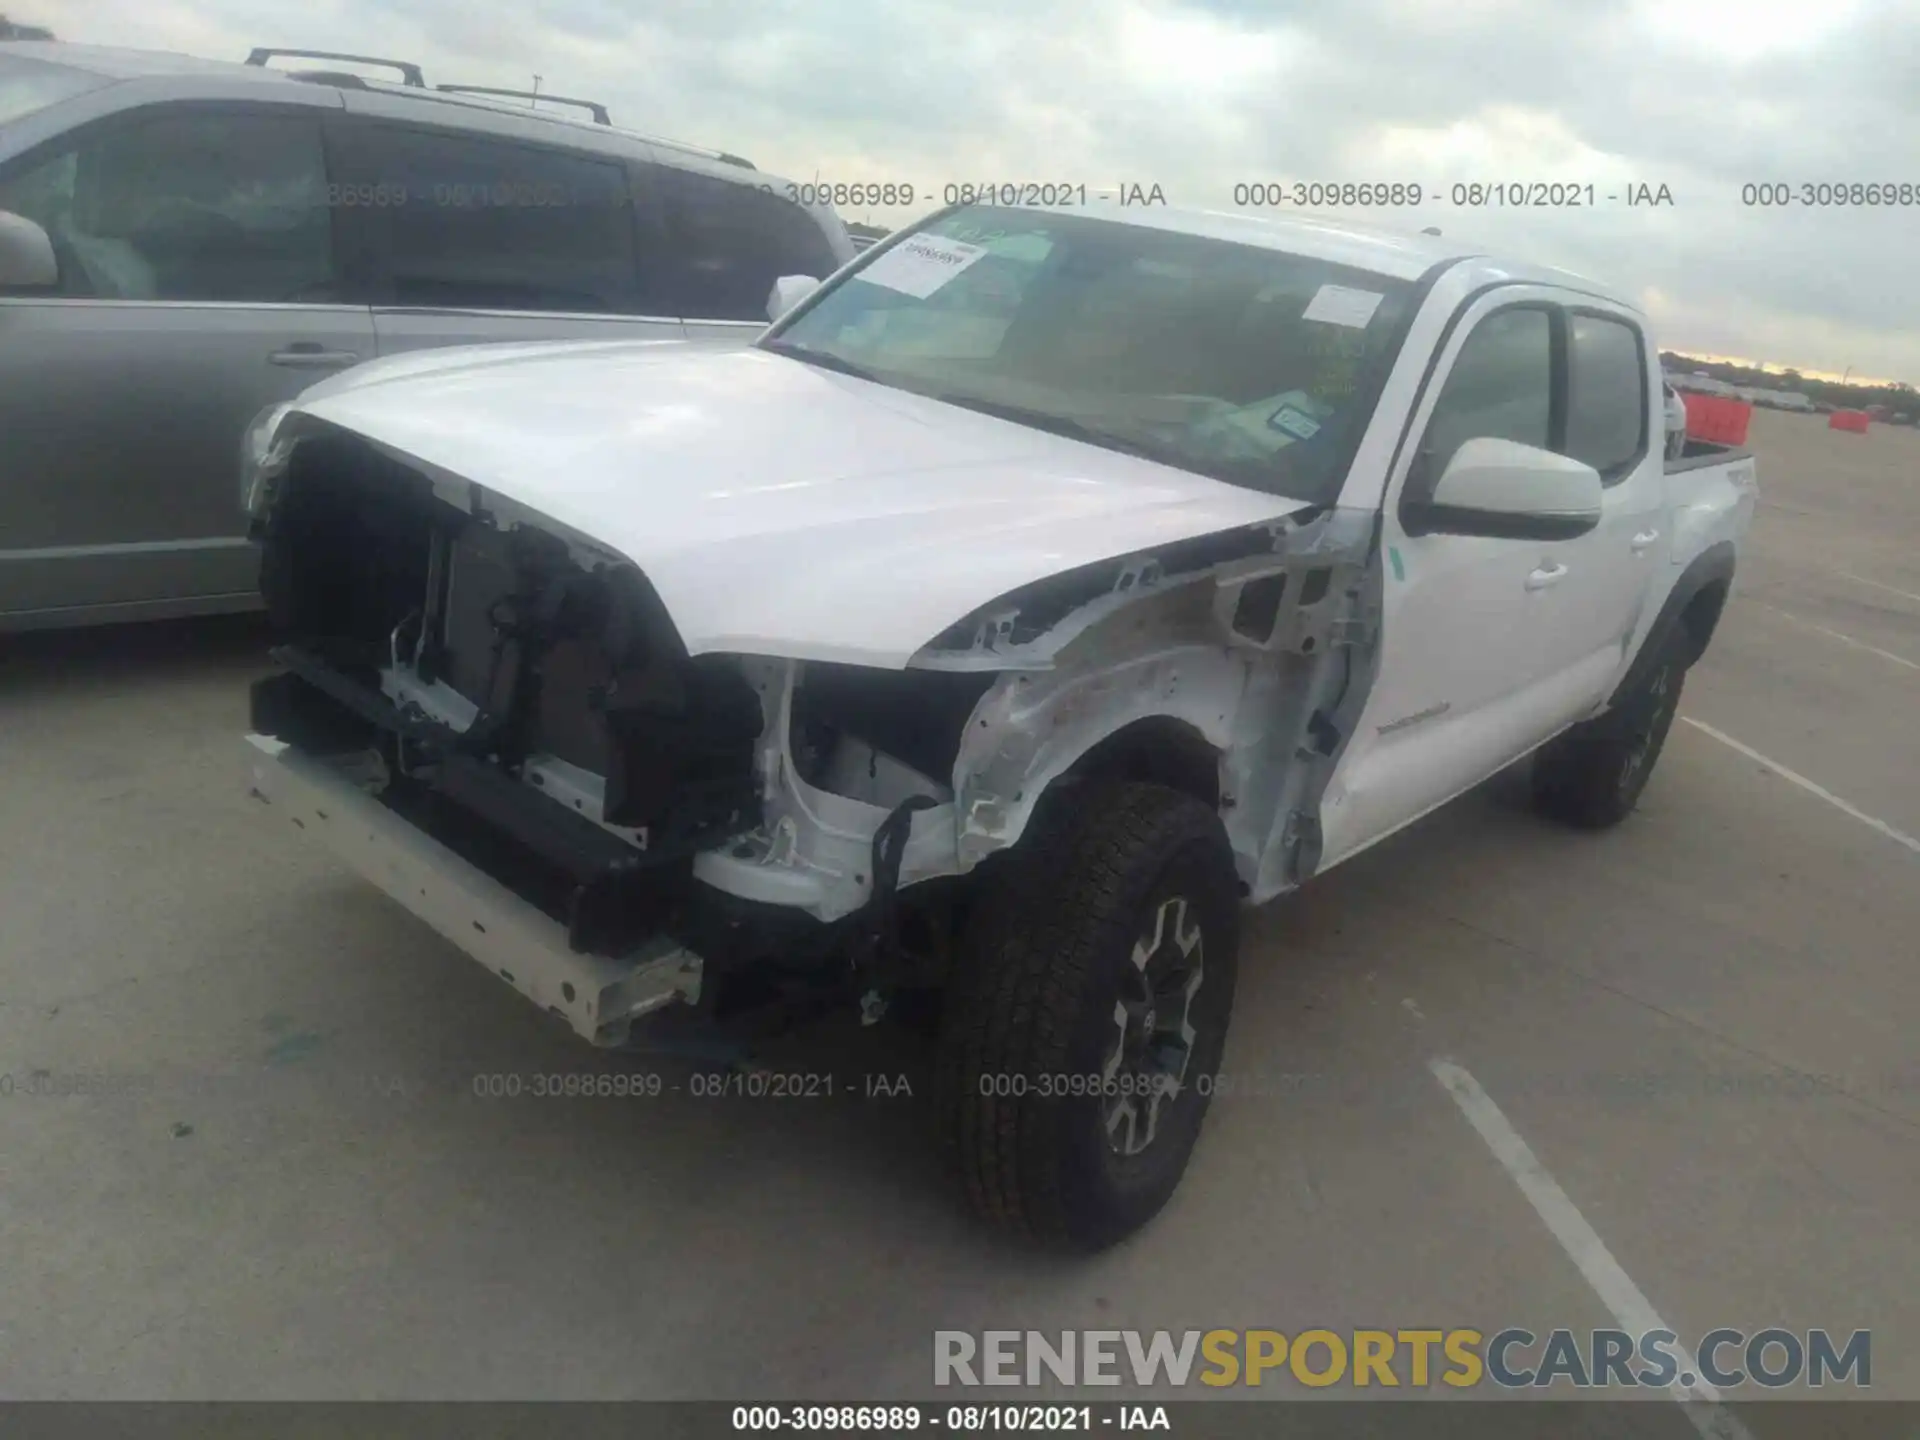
(1088, 1012)
(1592, 776)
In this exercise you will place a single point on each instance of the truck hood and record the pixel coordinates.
(778, 508)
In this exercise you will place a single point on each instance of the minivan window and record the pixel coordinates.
(1500, 388)
(1247, 364)
(29, 85)
(473, 223)
(1606, 395)
(187, 206)
(732, 240)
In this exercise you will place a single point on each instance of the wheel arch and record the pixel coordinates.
(1157, 750)
(1691, 611)
(1166, 719)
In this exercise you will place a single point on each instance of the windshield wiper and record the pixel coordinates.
(821, 358)
(1065, 425)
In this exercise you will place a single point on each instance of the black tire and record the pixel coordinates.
(1593, 775)
(1032, 1013)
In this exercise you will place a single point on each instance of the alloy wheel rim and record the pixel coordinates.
(1154, 1035)
(1660, 699)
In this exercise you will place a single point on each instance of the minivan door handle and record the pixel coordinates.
(311, 355)
(1551, 572)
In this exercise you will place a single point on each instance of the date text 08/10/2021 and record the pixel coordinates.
(908, 1419)
(1258, 195)
(1263, 194)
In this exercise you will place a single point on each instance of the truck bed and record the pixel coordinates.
(1713, 492)
(1701, 453)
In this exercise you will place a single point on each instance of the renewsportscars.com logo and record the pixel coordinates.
(1512, 1359)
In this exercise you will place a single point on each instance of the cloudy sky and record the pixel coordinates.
(1701, 96)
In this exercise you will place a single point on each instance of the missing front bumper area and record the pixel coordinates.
(536, 709)
(598, 996)
(608, 894)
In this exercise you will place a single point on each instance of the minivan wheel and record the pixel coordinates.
(1087, 1014)
(1593, 775)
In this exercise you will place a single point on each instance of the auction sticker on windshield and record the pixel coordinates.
(1295, 422)
(920, 266)
(1340, 305)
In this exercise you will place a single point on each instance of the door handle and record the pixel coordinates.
(1644, 539)
(1550, 573)
(311, 355)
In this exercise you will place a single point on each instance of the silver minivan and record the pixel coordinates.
(185, 242)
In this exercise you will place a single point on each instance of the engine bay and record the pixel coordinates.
(526, 700)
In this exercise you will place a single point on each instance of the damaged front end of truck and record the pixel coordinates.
(494, 717)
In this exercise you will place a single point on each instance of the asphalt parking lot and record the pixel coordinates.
(277, 1178)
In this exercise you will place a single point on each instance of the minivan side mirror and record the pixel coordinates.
(27, 260)
(789, 291)
(1509, 491)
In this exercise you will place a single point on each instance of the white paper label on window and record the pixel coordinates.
(920, 266)
(1338, 305)
(1294, 422)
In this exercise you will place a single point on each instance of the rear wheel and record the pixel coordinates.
(1091, 999)
(1593, 775)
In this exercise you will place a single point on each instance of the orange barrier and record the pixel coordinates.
(1854, 420)
(1717, 419)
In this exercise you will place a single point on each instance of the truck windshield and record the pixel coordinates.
(1250, 365)
(29, 85)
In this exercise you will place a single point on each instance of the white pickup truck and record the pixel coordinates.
(1035, 592)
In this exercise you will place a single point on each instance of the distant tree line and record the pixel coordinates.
(1897, 395)
(9, 30)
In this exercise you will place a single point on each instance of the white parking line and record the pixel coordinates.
(1632, 1311)
(1891, 590)
(1836, 635)
(1899, 837)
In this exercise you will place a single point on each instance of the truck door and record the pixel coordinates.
(1475, 633)
(1614, 421)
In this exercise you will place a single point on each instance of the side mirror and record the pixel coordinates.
(26, 255)
(1510, 491)
(789, 291)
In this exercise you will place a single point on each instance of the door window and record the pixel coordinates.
(186, 206)
(1606, 395)
(459, 221)
(732, 240)
(1500, 387)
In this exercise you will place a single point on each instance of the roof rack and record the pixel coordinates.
(409, 73)
(413, 79)
(592, 107)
